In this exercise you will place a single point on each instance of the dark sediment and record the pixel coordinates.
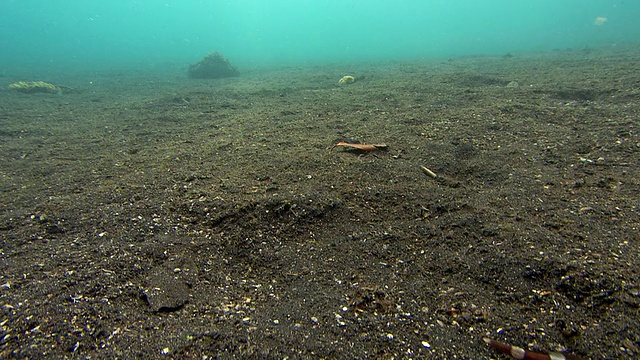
(145, 216)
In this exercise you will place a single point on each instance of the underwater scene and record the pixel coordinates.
(339, 179)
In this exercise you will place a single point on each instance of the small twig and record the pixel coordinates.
(361, 147)
(67, 89)
(428, 172)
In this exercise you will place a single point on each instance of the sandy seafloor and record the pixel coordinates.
(145, 214)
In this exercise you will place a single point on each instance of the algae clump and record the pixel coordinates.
(32, 87)
(347, 80)
(213, 66)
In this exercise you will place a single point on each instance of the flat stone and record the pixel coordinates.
(165, 292)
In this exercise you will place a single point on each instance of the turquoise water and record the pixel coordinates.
(92, 33)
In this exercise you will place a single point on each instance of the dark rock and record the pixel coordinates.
(213, 66)
(164, 291)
